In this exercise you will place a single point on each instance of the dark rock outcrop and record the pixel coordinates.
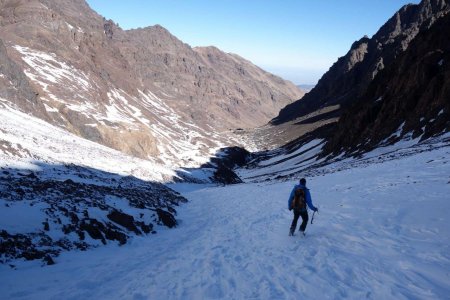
(225, 161)
(124, 220)
(225, 175)
(166, 218)
(83, 209)
(232, 157)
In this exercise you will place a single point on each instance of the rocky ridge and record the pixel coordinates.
(350, 76)
(408, 97)
(404, 100)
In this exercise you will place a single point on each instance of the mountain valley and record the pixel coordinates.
(137, 166)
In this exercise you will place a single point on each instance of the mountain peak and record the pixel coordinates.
(350, 76)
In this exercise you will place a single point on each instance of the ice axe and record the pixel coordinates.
(312, 218)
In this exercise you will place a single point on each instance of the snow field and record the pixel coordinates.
(381, 233)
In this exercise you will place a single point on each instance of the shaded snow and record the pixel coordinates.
(295, 154)
(285, 163)
(20, 217)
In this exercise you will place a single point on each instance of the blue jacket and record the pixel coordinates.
(307, 196)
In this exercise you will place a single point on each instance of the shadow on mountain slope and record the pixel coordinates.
(219, 168)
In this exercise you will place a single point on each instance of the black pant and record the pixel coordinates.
(297, 214)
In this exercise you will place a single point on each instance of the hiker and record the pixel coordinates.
(299, 198)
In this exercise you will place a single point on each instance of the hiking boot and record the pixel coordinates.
(291, 232)
(302, 233)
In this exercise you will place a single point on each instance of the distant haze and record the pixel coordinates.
(298, 75)
(306, 87)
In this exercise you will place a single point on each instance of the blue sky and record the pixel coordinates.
(296, 39)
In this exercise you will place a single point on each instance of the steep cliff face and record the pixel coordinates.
(15, 85)
(350, 76)
(142, 91)
(211, 87)
(410, 96)
(62, 49)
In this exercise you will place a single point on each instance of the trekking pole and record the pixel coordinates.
(312, 218)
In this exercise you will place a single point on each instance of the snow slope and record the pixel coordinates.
(382, 233)
(26, 141)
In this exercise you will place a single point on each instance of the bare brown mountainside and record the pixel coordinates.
(140, 91)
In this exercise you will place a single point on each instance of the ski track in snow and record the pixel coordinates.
(382, 233)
